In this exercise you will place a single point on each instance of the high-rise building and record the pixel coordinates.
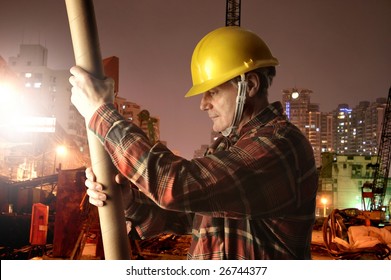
(373, 122)
(296, 103)
(46, 91)
(343, 130)
(326, 132)
(128, 109)
(359, 142)
(305, 115)
(314, 131)
(357, 131)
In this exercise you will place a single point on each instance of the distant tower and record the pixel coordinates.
(305, 115)
(343, 130)
(326, 132)
(297, 106)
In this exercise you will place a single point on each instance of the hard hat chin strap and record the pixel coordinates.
(240, 100)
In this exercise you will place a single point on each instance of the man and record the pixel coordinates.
(252, 196)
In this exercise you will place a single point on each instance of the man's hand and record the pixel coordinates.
(89, 93)
(95, 190)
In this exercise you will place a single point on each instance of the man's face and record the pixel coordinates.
(220, 103)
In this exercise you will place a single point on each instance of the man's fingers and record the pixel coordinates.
(95, 202)
(72, 80)
(93, 186)
(96, 195)
(90, 175)
(94, 189)
(96, 198)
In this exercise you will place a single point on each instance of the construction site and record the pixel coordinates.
(65, 226)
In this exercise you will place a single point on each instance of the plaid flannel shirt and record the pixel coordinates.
(252, 197)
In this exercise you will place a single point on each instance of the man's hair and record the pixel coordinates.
(265, 74)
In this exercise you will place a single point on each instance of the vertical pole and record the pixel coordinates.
(81, 17)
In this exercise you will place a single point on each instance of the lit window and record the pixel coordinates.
(28, 75)
(28, 85)
(37, 85)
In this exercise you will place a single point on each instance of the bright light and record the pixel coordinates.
(61, 150)
(295, 94)
(323, 200)
(32, 124)
(9, 100)
(7, 93)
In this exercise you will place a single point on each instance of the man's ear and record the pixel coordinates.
(253, 84)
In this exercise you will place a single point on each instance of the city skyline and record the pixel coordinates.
(317, 43)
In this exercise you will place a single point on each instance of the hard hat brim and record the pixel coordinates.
(208, 85)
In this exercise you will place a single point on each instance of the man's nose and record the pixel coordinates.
(205, 104)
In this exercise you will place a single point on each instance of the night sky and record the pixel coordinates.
(340, 49)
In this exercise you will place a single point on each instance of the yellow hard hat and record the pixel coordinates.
(225, 53)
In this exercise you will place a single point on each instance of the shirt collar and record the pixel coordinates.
(271, 112)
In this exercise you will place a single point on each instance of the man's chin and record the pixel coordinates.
(218, 129)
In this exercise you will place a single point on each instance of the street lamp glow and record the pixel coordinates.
(324, 201)
(61, 150)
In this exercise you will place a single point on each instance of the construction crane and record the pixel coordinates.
(232, 13)
(374, 192)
